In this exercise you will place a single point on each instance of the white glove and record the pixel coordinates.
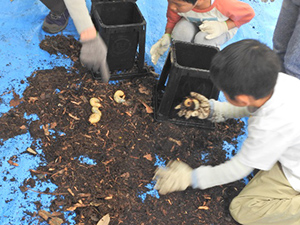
(176, 176)
(160, 47)
(196, 105)
(213, 28)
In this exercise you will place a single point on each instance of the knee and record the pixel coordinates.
(200, 39)
(235, 210)
(184, 31)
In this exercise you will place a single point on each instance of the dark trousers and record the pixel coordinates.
(55, 6)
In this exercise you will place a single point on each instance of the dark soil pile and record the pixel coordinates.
(124, 144)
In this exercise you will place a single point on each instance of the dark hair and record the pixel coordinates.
(245, 67)
(191, 1)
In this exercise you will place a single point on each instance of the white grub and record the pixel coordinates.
(95, 102)
(96, 110)
(95, 117)
(119, 96)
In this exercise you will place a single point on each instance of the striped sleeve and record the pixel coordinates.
(172, 18)
(239, 12)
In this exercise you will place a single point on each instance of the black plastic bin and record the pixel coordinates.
(186, 69)
(123, 28)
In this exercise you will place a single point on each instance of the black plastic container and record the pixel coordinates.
(123, 28)
(186, 69)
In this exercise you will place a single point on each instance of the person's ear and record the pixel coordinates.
(243, 100)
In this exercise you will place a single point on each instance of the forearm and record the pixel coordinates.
(207, 176)
(168, 30)
(220, 111)
(81, 18)
(230, 24)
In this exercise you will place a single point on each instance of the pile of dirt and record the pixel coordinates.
(124, 146)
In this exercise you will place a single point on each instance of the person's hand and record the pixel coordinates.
(176, 176)
(93, 56)
(160, 47)
(196, 105)
(213, 28)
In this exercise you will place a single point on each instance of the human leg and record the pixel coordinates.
(286, 36)
(217, 42)
(267, 199)
(291, 58)
(58, 17)
(184, 31)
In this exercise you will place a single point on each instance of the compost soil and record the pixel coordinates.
(124, 146)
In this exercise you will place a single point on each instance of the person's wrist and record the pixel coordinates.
(88, 34)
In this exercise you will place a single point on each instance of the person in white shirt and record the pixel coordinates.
(247, 72)
(93, 51)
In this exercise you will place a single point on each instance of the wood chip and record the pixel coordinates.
(204, 207)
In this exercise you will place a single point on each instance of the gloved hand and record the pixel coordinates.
(195, 105)
(176, 176)
(160, 47)
(213, 28)
(93, 56)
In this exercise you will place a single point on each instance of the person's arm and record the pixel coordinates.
(178, 176)
(208, 176)
(162, 45)
(81, 18)
(211, 109)
(93, 51)
(221, 111)
(172, 19)
(238, 12)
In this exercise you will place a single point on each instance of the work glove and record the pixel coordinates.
(196, 105)
(160, 47)
(93, 56)
(213, 28)
(176, 176)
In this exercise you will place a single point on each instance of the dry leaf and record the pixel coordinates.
(32, 99)
(12, 163)
(148, 108)
(77, 205)
(46, 131)
(107, 162)
(14, 102)
(71, 192)
(175, 141)
(53, 125)
(108, 197)
(23, 127)
(104, 220)
(144, 90)
(148, 157)
(125, 175)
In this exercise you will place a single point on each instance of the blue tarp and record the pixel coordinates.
(20, 35)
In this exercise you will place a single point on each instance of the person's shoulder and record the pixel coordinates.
(286, 79)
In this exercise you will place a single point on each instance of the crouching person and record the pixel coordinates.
(247, 72)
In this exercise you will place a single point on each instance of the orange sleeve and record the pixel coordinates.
(172, 18)
(239, 12)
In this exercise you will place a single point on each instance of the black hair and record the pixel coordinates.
(246, 67)
(191, 1)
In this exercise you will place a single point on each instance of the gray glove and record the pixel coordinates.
(176, 176)
(196, 105)
(93, 56)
